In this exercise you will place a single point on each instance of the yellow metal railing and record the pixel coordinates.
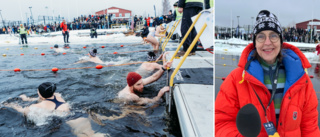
(180, 64)
(170, 34)
(185, 36)
(186, 54)
(167, 37)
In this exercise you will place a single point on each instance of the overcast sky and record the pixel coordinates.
(288, 11)
(17, 9)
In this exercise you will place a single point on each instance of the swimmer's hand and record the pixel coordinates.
(163, 90)
(167, 64)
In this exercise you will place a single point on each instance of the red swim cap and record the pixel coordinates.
(133, 78)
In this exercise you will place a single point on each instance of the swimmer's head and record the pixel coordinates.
(93, 52)
(133, 78)
(151, 56)
(56, 46)
(47, 89)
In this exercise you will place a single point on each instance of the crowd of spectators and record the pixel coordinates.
(290, 34)
(88, 22)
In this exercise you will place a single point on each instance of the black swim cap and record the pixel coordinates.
(151, 56)
(93, 52)
(47, 89)
(56, 46)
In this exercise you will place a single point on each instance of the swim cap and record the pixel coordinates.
(47, 89)
(151, 56)
(93, 52)
(133, 78)
(56, 46)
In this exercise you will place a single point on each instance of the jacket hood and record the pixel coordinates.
(245, 55)
(294, 62)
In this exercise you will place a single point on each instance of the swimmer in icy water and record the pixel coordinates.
(92, 58)
(52, 104)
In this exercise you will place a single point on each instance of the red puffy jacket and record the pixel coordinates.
(64, 27)
(298, 111)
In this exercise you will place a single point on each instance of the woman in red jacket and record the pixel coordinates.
(272, 76)
(65, 31)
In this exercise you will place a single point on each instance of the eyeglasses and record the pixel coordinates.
(261, 37)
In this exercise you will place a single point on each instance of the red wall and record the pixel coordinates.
(122, 11)
(304, 25)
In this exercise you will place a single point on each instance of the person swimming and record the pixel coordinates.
(57, 49)
(52, 104)
(92, 58)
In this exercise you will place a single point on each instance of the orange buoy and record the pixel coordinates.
(311, 76)
(43, 54)
(51, 47)
(16, 70)
(115, 52)
(55, 69)
(121, 46)
(99, 67)
(223, 78)
(84, 47)
(67, 47)
(64, 53)
(102, 46)
(21, 54)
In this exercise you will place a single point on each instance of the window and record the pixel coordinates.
(120, 14)
(127, 15)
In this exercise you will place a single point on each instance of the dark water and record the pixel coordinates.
(86, 90)
(232, 61)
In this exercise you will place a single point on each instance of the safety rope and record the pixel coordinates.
(125, 64)
(103, 46)
(42, 54)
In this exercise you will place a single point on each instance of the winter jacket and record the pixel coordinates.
(22, 30)
(298, 111)
(64, 27)
(190, 3)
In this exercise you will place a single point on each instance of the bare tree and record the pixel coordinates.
(165, 7)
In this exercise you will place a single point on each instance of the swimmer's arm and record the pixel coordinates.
(18, 108)
(25, 98)
(158, 33)
(163, 56)
(143, 101)
(81, 61)
(159, 57)
(156, 75)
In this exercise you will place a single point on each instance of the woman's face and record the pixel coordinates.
(268, 45)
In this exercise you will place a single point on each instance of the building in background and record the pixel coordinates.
(117, 12)
(307, 25)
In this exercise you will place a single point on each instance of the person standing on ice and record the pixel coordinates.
(23, 34)
(65, 31)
